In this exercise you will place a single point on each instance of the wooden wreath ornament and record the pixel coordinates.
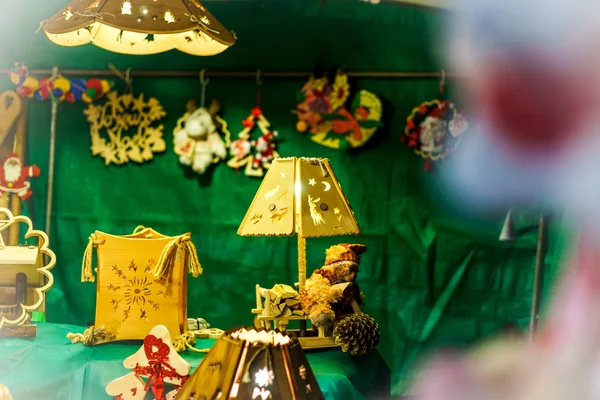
(322, 111)
(118, 115)
(434, 129)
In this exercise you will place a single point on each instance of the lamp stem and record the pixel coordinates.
(301, 262)
(538, 275)
(302, 274)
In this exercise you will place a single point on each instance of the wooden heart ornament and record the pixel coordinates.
(155, 349)
(11, 108)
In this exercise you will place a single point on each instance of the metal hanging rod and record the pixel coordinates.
(241, 74)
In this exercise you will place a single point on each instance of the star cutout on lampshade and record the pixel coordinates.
(139, 26)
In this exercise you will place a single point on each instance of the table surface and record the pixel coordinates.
(50, 367)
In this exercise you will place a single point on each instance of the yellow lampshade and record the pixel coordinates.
(139, 26)
(303, 196)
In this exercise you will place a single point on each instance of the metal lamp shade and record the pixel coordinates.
(139, 27)
(238, 367)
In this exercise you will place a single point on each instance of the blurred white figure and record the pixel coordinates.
(532, 79)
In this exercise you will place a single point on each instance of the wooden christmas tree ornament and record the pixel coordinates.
(142, 282)
(255, 155)
(118, 115)
(253, 364)
(153, 366)
(25, 277)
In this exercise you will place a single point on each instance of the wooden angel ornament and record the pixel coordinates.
(154, 366)
(201, 137)
(256, 155)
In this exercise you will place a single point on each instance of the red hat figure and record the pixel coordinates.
(14, 177)
(264, 149)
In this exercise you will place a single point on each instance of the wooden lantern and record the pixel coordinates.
(253, 364)
(139, 26)
(141, 282)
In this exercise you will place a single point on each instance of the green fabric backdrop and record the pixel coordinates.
(432, 276)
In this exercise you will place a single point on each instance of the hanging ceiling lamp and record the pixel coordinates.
(140, 26)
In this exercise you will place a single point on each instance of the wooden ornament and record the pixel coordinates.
(322, 111)
(153, 365)
(255, 155)
(25, 277)
(11, 107)
(14, 177)
(201, 137)
(118, 115)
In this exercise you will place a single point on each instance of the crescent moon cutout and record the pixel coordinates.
(327, 186)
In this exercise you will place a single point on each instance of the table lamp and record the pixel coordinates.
(139, 27)
(302, 197)
(253, 364)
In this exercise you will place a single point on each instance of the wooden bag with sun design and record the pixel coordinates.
(141, 283)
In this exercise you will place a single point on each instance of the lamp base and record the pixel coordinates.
(311, 340)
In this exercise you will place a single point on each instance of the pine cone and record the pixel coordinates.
(357, 334)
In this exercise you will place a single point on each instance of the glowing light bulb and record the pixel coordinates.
(144, 10)
(126, 8)
(264, 377)
(169, 17)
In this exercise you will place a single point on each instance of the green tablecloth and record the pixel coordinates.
(50, 367)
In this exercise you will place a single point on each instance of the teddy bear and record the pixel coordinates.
(198, 142)
(332, 289)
